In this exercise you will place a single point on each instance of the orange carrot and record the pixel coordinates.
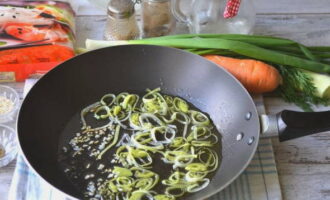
(256, 76)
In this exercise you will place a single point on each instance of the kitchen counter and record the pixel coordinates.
(303, 164)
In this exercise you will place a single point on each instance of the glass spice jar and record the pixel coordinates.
(207, 16)
(121, 22)
(157, 18)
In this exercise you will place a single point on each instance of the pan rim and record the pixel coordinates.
(253, 110)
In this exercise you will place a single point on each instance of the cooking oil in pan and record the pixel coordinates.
(78, 153)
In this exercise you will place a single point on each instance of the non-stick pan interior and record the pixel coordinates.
(83, 80)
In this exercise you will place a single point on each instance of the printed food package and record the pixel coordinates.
(35, 36)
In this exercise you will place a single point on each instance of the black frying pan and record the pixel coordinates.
(73, 85)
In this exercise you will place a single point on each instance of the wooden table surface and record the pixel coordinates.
(303, 164)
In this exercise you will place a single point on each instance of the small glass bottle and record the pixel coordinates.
(121, 22)
(157, 18)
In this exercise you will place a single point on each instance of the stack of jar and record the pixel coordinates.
(9, 104)
(157, 19)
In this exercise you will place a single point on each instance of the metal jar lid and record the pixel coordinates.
(121, 8)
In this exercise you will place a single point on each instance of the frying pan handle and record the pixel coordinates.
(292, 124)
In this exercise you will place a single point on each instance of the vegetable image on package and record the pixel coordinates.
(35, 37)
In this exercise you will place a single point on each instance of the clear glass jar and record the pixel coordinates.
(157, 18)
(10, 96)
(121, 22)
(8, 145)
(206, 16)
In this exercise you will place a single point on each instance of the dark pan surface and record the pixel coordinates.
(84, 79)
